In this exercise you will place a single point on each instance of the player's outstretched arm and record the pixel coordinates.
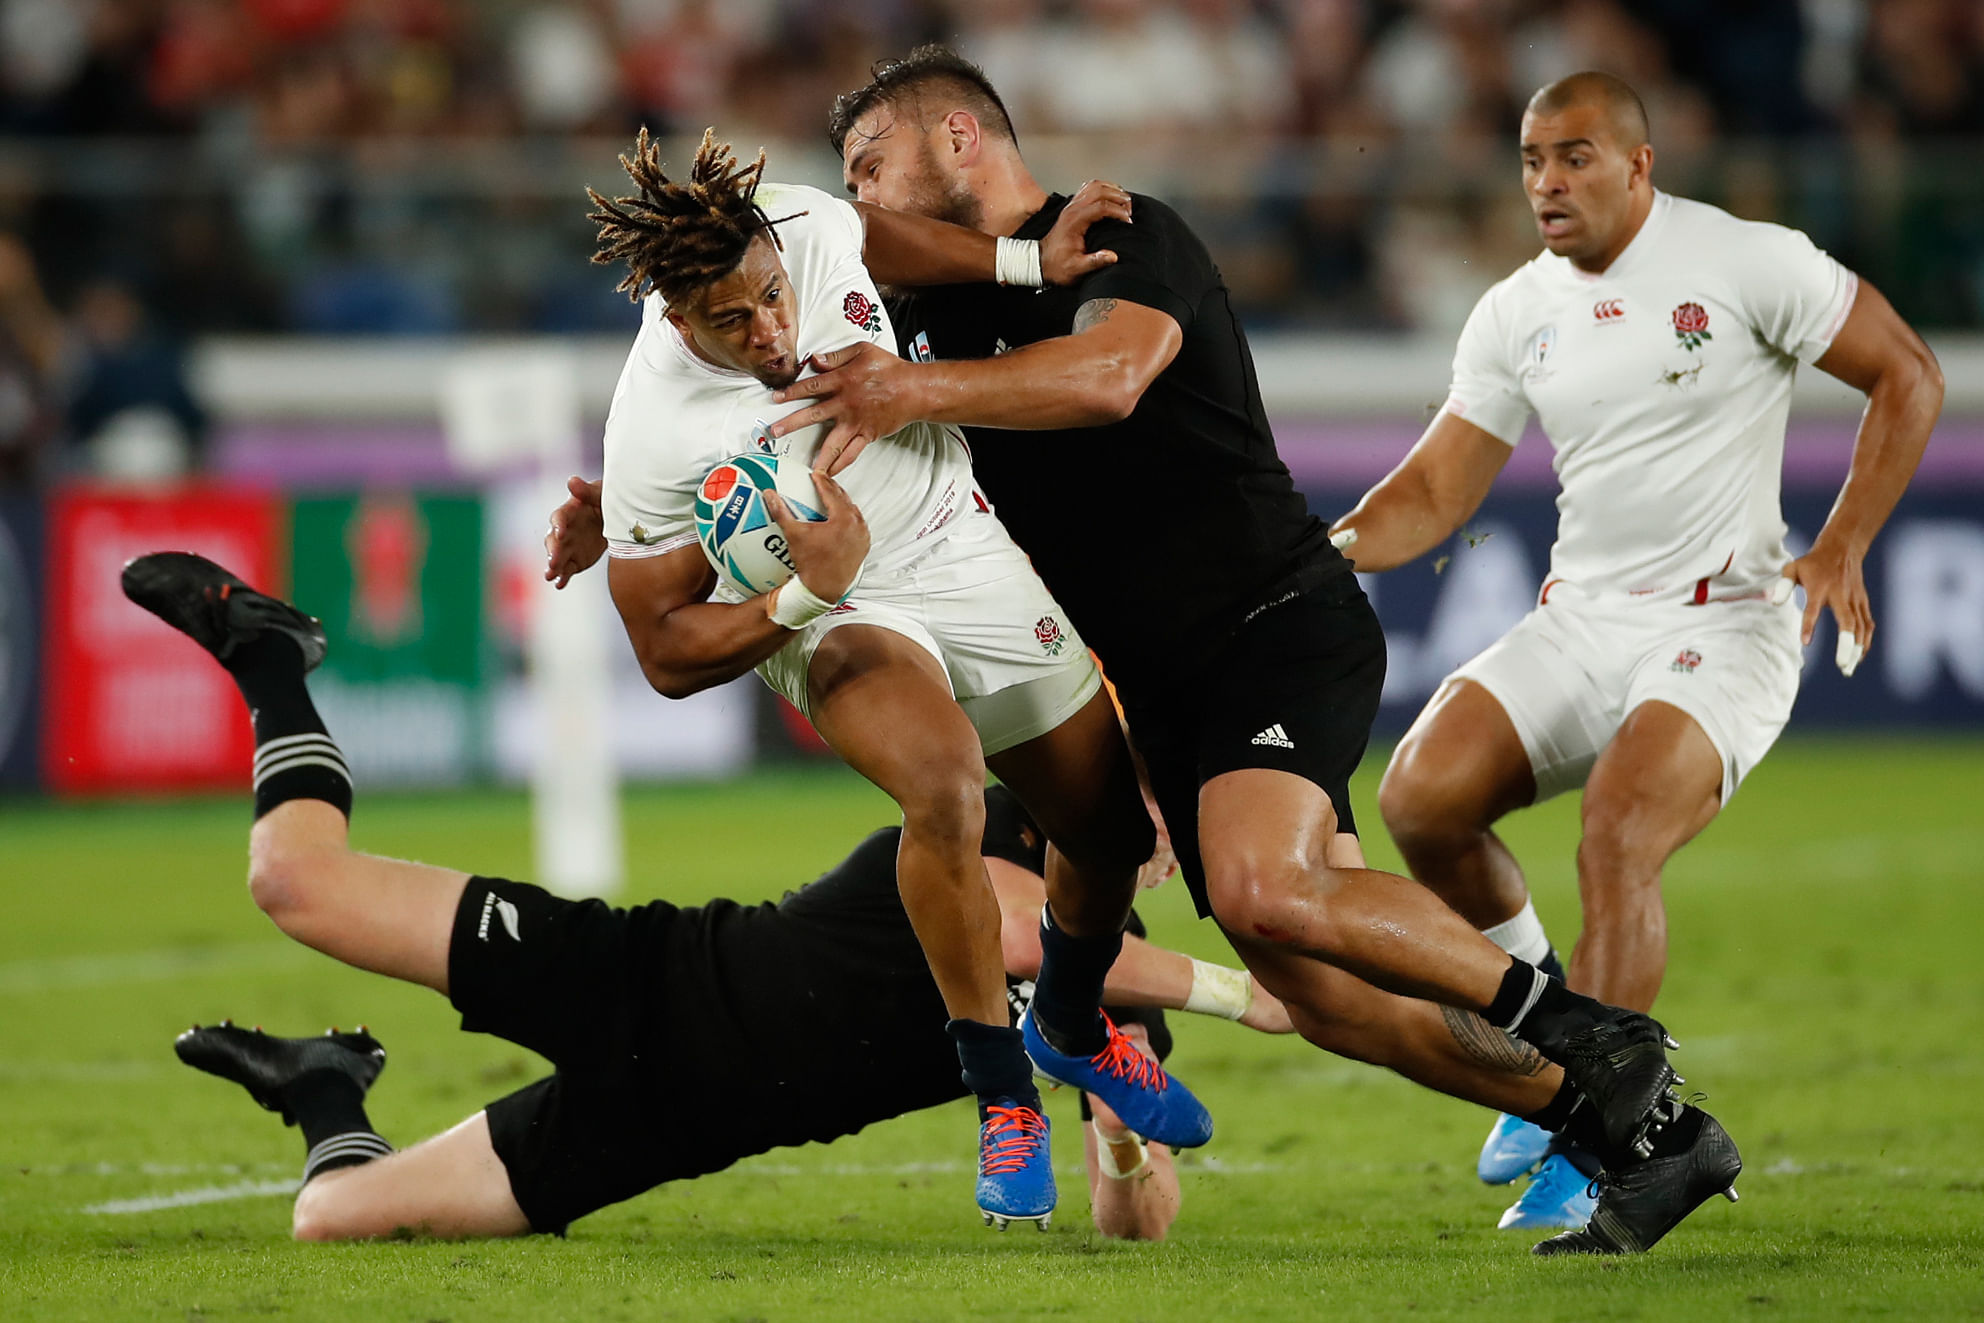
(1425, 499)
(899, 248)
(1091, 377)
(687, 643)
(1132, 1187)
(1879, 353)
(1145, 974)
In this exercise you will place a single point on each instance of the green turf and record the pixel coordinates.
(1825, 984)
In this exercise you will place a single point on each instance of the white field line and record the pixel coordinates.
(25, 977)
(204, 1194)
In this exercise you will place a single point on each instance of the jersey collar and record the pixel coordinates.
(1656, 217)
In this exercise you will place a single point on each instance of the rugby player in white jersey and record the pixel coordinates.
(914, 634)
(1656, 339)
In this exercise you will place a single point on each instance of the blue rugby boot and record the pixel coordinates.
(1559, 1197)
(1015, 1166)
(1150, 1102)
(1514, 1148)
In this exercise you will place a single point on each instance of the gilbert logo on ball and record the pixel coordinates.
(1691, 326)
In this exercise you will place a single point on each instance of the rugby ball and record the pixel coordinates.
(736, 530)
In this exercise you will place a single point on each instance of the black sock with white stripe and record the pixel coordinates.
(1537, 1008)
(295, 757)
(329, 1107)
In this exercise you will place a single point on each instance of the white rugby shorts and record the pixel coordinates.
(1014, 661)
(1574, 667)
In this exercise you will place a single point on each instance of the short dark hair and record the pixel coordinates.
(927, 70)
(1610, 93)
(678, 236)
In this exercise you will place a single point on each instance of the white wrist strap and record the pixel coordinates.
(1017, 262)
(1217, 990)
(1105, 1156)
(796, 606)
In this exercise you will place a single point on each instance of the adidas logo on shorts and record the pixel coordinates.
(1276, 736)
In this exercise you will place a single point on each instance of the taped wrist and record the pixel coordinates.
(796, 606)
(1217, 990)
(1017, 262)
(1105, 1156)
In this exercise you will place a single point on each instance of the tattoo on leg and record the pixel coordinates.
(1490, 1046)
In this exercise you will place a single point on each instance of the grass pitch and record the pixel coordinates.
(1825, 985)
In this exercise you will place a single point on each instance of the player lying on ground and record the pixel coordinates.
(1238, 620)
(684, 1039)
(1248, 660)
(914, 634)
(1656, 339)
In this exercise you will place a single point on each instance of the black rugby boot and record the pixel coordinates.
(1641, 1200)
(214, 608)
(1617, 1059)
(267, 1066)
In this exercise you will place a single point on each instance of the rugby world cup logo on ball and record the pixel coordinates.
(735, 528)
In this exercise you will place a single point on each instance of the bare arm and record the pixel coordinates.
(687, 643)
(900, 248)
(1879, 353)
(1093, 376)
(1431, 493)
(1145, 974)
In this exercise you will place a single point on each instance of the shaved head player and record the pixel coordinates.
(1656, 340)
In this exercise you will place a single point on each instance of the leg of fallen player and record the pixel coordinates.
(452, 1185)
(1656, 786)
(885, 706)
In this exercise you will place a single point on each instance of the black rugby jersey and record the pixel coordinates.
(814, 1017)
(1160, 533)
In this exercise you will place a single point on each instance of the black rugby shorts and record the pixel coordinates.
(557, 976)
(1294, 689)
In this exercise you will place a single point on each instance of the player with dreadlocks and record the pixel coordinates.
(914, 634)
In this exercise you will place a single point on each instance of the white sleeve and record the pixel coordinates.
(1485, 390)
(647, 504)
(1792, 291)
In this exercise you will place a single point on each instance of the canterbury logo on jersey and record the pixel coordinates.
(1608, 310)
(1276, 736)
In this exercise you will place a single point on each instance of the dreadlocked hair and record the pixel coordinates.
(677, 237)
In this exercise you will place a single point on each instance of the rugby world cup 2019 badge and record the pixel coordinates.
(1537, 357)
(1047, 633)
(859, 309)
(1691, 326)
(1686, 661)
(919, 348)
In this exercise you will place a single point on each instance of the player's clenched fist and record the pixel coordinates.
(826, 554)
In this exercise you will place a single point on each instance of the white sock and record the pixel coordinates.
(1523, 936)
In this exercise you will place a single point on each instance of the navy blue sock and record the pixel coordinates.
(1067, 996)
(995, 1064)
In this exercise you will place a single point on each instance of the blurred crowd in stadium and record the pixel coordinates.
(175, 167)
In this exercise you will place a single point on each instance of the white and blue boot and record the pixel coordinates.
(1558, 1197)
(1515, 1148)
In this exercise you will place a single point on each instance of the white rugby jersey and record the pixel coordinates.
(675, 417)
(1663, 385)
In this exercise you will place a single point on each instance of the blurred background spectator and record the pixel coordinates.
(413, 166)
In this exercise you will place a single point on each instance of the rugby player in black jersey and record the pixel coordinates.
(683, 1038)
(1118, 428)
